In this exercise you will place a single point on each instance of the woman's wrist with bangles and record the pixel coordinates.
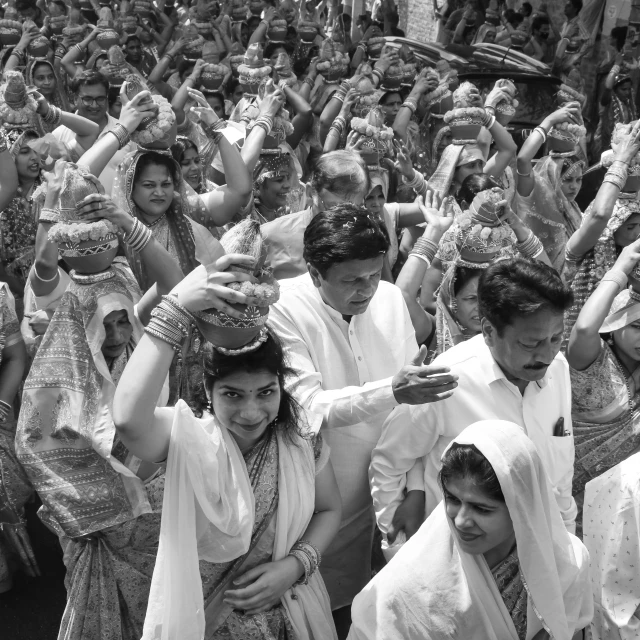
(424, 249)
(264, 122)
(53, 116)
(170, 322)
(214, 131)
(121, 134)
(309, 557)
(138, 237)
(617, 174)
(531, 247)
(617, 275)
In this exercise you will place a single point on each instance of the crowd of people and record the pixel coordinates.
(297, 344)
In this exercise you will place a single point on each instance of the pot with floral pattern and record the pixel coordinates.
(377, 137)
(253, 70)
(86, 247)
(221, 329)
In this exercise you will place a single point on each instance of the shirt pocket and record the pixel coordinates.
(561, 453)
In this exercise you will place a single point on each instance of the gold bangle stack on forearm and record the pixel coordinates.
(425, 250)
(617, 174)
(530, 246)
(309, 557)
(170, 322)
(139, 237)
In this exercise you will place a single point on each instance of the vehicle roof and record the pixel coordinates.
(480, 59)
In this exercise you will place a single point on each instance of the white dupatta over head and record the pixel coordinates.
(208, 514)
(432, 589)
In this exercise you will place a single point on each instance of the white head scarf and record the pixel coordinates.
(433, 589)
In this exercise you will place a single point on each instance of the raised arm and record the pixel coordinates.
(132, 114)
(533, 143)
(410, 278)
(339, 123)
(423, 84)
(182, 94)
(585, 238)
(506, 148)
(269, 106)
(86, 131)
(584, 342)
(260, 34)
(137, 393)
(45, 276)
(9, 183)
(74, 53)
(18, 56)
(303, 118)
(162, 267)
(223, 203)
(156, 77)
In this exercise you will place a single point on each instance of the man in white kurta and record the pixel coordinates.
(344, 371)
(484, 393)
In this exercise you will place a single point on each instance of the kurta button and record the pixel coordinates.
(359, 357)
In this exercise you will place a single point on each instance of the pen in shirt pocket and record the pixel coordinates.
(559, 430)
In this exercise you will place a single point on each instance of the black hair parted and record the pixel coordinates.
(517, 287)
(268, 357)
(151, 158)
(466, 461)
(463, 276)
(344, 232)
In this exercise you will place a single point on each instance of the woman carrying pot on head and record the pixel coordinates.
(605, 373)
(502, 564)
(252, 446)
(478, 240)
(611, 222)
(277, 190)
(547, 191)
(149, 184)
(66, 441)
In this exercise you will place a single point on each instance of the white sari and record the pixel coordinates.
(433, 590)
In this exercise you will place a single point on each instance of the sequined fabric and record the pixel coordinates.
(514, 595)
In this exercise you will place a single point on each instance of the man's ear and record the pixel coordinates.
(489, 332)
(316, 278)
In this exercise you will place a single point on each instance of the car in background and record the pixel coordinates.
(483, 64)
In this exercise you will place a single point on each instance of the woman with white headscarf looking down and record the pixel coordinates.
(493, 561)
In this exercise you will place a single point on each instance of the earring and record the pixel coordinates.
(209, 407)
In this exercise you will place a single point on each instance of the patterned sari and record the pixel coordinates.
(584, 275)
(15, 488)
(107, 518)
(225, 513)
(509, 582)
(19, 219)
(59, 97)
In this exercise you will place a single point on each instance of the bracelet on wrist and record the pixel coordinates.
(139, 236)
(618, 276)
(170, 322)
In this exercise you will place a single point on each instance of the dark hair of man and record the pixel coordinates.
(620, 34)
(538, 23)
(528, 8)
(88, 78)
(341, 172)
(343, 233)
(518, 287)
(577, 5)
(465, 461)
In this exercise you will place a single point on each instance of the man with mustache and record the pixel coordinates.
(512, 371)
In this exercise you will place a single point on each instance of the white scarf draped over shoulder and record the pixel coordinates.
(433, 589)
(208, 514)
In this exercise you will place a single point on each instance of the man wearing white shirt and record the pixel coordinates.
(513, 371)
(91, 91)
(351, 344)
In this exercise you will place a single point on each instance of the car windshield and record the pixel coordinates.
(536, 98)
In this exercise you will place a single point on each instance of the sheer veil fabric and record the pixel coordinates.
(208, 514)
(432, 589)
